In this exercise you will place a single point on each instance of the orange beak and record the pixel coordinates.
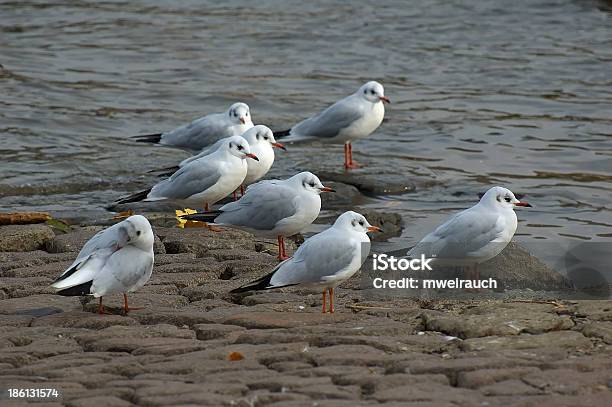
(242, 120)
(327, 189)
(253, 156)
(385, 99)
(374, 229)
(279, 145)
(526, 204)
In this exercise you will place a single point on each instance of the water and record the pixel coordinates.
(511, 93)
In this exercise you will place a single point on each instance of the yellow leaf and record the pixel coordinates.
(182, 223)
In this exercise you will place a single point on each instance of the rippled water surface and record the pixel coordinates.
(484, 92)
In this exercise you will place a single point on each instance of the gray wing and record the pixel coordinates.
(330, 122)
(199, 133)
(193, 178)
(461, 236)
(319, 258)
(108, 238)
(261, 208)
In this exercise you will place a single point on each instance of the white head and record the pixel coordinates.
(239, 147)
(356, 222)
(373, 92)
(261, 134)
(309, 182)
(501, 198)
(136, 230)
(239, 113)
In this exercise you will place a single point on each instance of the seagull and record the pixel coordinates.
(356, 116)
(207, 179)
(262, 144)
(206, 130)
(116, 260)
(474, 235)
(325, 260)
(272, 208)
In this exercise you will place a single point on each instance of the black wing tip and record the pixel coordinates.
(207, 217)
(148, 138)
(281, 134)
(137, 197)
(262, 284)
(77, 290)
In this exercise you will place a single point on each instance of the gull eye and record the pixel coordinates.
(361, 222)
(311, 183)
(240, 148)
(507, 199)
(138, 233)
(266, 138)
(372, 91)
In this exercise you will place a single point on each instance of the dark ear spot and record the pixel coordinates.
(353, 222)
(499, 198)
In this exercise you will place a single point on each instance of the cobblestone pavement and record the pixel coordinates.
(193, 344)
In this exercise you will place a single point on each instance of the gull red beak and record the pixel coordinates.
(279, 145)
(242, 120)
(327, 189)
(374, 229)
(526, 204)
(253, 156)
(385, 99)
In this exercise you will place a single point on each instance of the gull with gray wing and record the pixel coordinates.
(356, 116)
(325, 260)
(117, 260)
(274, 208)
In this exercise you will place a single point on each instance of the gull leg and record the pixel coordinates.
(234, 195)
(241, 191)
(281, 249)
(346, 159)
(206, 209)
(100, 307)
(323, 311)
(331, 300)
(349, 163)
(126, 307)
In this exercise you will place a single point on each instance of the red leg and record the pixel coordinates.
(324, 296)
(126, 307)
(281, 249)
(331, 300)
(100, 307)
(234, 195)
(348, 161)
(206, 207)
(241, 190)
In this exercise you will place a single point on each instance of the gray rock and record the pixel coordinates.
(24, 238)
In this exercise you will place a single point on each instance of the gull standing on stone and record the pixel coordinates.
(356, 116)
(474, 235)
(116, 260)
(262, 144)
(207, 179)
(325, 260)
(205, 130)
(274, 208)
